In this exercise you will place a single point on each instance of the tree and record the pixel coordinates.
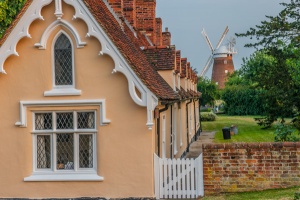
(271, 71)
(281, 29)
(240, 97)
(209, 91)
(274, 68)
(8, 11)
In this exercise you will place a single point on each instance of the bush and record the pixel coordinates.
(297, 196)
(205, 109)
(286, 133)
(208, 116)
(243, 100)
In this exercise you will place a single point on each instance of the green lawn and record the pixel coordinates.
(275, 194)
(248, 130)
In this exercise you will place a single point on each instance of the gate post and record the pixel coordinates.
(156, 176)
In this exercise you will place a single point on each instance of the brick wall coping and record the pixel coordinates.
(256, 145)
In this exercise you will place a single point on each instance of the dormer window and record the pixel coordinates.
(63, 67)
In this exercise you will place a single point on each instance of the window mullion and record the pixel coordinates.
(35, 152)
(54, 157)
(54, 165)
(94, 151)
(76, 151)
(76, 143)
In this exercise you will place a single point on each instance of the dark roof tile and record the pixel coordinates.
(161, 57)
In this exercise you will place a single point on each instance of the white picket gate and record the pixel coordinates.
(178, 178)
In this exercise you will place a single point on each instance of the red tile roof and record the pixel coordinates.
(129, 46)
(161, 57)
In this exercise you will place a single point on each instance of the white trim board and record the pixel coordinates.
(147, 98)
(67, 103)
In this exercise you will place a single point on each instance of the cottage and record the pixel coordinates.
(90, 91)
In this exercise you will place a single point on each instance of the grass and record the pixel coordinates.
(274, 194)
(248, 130)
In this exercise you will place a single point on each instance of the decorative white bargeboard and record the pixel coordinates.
(178, 178)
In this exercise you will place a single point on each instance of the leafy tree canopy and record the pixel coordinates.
(8, 11)
(275, 72)
(281, 29)
(209, 91)
(274, 69)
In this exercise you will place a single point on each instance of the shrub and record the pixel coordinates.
(208, 116)
(297, 196)
(205, 109)
(286, 133)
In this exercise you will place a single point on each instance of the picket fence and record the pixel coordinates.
(178, 178)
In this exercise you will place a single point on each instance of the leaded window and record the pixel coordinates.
(63, 61)
(64, 141)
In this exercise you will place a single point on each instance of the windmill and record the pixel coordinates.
(221, 58)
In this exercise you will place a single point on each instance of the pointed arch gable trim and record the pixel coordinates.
(147, 99)
(21, 30)
(51, 27)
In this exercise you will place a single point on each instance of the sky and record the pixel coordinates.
(185, 20)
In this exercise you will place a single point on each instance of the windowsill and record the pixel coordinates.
(62, 92)
(64, 177)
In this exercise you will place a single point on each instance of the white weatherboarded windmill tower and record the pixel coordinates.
(221, 58)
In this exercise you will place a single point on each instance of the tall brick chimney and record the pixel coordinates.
(178, 61)
(145, 18)
(158, 32)
(166, 37)
(183, 67)
(117, 6)
(129, 11)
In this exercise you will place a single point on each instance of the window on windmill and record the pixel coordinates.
(225, 62)
(226, 71)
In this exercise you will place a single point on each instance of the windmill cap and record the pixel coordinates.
(222, 51)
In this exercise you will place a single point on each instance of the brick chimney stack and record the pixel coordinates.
(166, 37)
(117, 6)
(158, 32)
(145, 18)
(129, 11)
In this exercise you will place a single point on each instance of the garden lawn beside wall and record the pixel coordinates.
(248, 130)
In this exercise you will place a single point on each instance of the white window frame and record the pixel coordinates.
(191, 120)
(52, 173)
(174, 80)
(175, 129)
(180, 125)
(62, 90)
(164, 135)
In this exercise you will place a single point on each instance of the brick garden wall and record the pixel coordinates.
(240, 167)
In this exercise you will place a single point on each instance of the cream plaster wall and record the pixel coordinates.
(168, 76)
(125, 147)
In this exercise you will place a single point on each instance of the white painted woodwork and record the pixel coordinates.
(178, 178)
(97, 102)
(8, 48)
(164, 135)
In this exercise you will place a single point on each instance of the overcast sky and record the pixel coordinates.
(185, 20)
